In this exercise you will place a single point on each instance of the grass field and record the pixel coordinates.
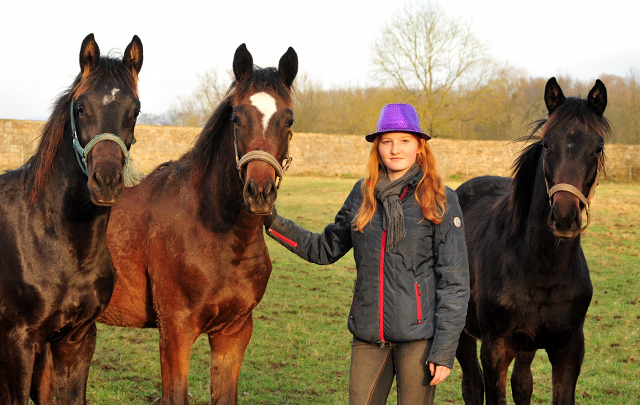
(299, 353)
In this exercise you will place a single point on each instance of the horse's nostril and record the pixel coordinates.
(97, 177)
(267, 188)
(253, 188)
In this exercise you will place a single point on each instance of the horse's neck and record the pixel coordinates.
(220, 202)
(66, 192)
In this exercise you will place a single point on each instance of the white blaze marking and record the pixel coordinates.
(109, 99)
(266, 105)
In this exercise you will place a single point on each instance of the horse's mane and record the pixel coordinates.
(515, 207)
(39, 167)
(207, 144)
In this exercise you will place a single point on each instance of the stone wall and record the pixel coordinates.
(320, 154)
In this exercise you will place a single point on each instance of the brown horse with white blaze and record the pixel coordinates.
(188, 242)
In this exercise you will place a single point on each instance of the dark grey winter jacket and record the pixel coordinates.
(421, 290)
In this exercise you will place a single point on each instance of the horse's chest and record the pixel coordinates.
(79, 298)
(241, 269)
(67, 289)
(543, 311)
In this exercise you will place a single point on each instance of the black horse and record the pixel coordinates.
(530, 285)
(56, 274)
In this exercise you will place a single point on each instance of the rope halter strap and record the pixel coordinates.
(265, 157)
(82, 154)
(586, 201)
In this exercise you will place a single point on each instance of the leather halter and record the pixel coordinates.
(586, 201)
(265, 157)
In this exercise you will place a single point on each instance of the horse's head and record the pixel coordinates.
(572, 153)
(104, 108)
(262, 117)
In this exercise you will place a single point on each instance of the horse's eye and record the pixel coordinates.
(599, 150)
(290, 122)
(80, 110)
(136, 113)
(545, 146)
(235, 120)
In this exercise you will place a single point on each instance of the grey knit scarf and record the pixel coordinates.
(388, 193)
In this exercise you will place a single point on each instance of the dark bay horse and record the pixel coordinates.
(530, 285)
(188, 242)
(56, 274)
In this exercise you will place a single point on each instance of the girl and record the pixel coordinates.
(412, 285)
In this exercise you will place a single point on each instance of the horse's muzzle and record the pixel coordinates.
(259, 198)
(106, 180)
(565, 218)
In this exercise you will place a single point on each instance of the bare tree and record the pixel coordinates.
(623, 108)
(434, 59)
(194, 110)
(308, 98)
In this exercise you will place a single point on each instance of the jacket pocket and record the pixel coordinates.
(418, 303)
(353, 304)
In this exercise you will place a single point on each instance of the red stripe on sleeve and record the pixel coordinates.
(283, 238)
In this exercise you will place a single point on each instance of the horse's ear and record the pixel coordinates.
(288, 66)
(133, 55)
(242, 63)
(89, 53)
(598, 98)
(553, 96)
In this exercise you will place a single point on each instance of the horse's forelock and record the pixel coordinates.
(107, 68)
(577, 108)
(261, 79)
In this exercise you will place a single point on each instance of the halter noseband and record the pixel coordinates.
(82, 153)
(265, 157)
(575, 191)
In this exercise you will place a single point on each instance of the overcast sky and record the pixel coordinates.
(40, 41)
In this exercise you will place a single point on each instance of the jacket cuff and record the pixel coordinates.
(440, 355)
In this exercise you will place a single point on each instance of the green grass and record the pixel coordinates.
(299, 353)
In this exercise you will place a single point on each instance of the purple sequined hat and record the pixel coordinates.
(398, 118)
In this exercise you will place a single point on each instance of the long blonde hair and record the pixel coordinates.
(429, 194)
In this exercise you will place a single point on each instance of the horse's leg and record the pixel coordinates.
(176, 340)
(227, 351)
(42, 380)
(71, 361)
(566, 362)
(472, 381)
(16, 367)
(521, 378)
(496, 355)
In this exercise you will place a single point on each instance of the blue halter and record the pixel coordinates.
(131, 178)
(83, 153)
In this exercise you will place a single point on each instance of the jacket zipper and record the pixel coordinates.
(418, 306)
(381, 298)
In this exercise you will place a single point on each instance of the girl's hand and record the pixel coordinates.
(438, 373)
